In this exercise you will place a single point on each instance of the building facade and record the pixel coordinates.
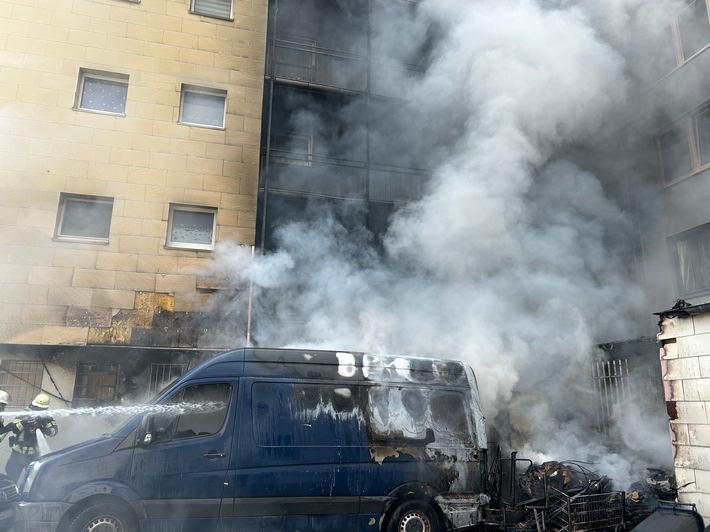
(677, 249)
(129, 150)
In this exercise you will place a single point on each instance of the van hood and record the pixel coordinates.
(61, 474)
(87, 450)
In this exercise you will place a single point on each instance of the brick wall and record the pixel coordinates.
(685, 365)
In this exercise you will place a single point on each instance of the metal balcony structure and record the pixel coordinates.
(330, 63)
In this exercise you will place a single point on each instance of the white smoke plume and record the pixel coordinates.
(517, 257)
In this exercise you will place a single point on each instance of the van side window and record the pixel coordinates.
(204, 414)
(305, 415)
(417, 416)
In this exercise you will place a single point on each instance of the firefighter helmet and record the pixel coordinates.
(41, 401)
(4, 397)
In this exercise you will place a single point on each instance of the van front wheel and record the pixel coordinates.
(104, 517)
(414, 516)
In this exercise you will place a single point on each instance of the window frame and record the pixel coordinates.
(195, 11)
(96, 383)
(171, 244)
(680, 53)
(673, 241)
(196, 89)
(64, 198)
(285, 156)
(171, 421)
(688, 124)
(85, 73)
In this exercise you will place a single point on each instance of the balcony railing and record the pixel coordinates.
(307, 63)
(339, 178)
(302, 61)
(396, 184)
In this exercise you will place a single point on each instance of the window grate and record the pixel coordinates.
(22, 379)
(611, 383)
(96, 384)
(163, 374)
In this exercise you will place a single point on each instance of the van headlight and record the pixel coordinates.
(29, 477)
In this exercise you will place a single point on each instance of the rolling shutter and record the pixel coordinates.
(213, 8)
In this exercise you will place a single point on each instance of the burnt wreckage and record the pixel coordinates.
(570, 497)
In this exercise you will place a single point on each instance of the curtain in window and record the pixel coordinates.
(694, 262)
(104, 95)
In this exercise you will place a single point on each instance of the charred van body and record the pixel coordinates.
(279, 439)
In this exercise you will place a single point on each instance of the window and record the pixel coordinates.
(295, 57)
(102, 92)
(702, 133)
(201, 106)
(692, 257)
(610, 379)
(203, 412)
(83, 217)
(688, 33)
(676, 157)
(424, 416)
(693, 28)
(684, 147)
(292, 148)
(95, 384)
(22, 379)
(191, 227)
(212, 8)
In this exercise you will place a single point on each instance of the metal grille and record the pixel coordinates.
(95, 384)
(22, 379)
(611, 383)
(163, 374)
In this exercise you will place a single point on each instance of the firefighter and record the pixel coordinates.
(4, 401)
(23, 441)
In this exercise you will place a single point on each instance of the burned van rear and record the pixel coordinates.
(426, 435)
(294, 440)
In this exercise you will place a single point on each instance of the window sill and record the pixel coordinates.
(81, 240)
(686, 176)
(189, 247)
(228, 19)
(97, 112)
(191, 124)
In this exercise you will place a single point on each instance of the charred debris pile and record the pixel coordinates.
(566, 496)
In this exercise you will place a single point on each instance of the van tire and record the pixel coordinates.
(414, 515)
(104, 516)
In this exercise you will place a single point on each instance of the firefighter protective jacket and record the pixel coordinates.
(25, 429)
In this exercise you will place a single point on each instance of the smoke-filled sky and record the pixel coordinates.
(517, 258)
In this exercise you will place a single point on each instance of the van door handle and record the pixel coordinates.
(211, 455)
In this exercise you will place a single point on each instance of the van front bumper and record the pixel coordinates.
(39, 516)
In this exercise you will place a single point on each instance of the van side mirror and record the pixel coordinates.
(145, 434)
(156, 427)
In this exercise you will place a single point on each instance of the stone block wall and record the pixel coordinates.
(685, 366)
(144, 160)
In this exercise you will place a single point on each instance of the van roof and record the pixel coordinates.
(340, 365)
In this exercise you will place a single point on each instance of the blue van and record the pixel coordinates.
(279, 440)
